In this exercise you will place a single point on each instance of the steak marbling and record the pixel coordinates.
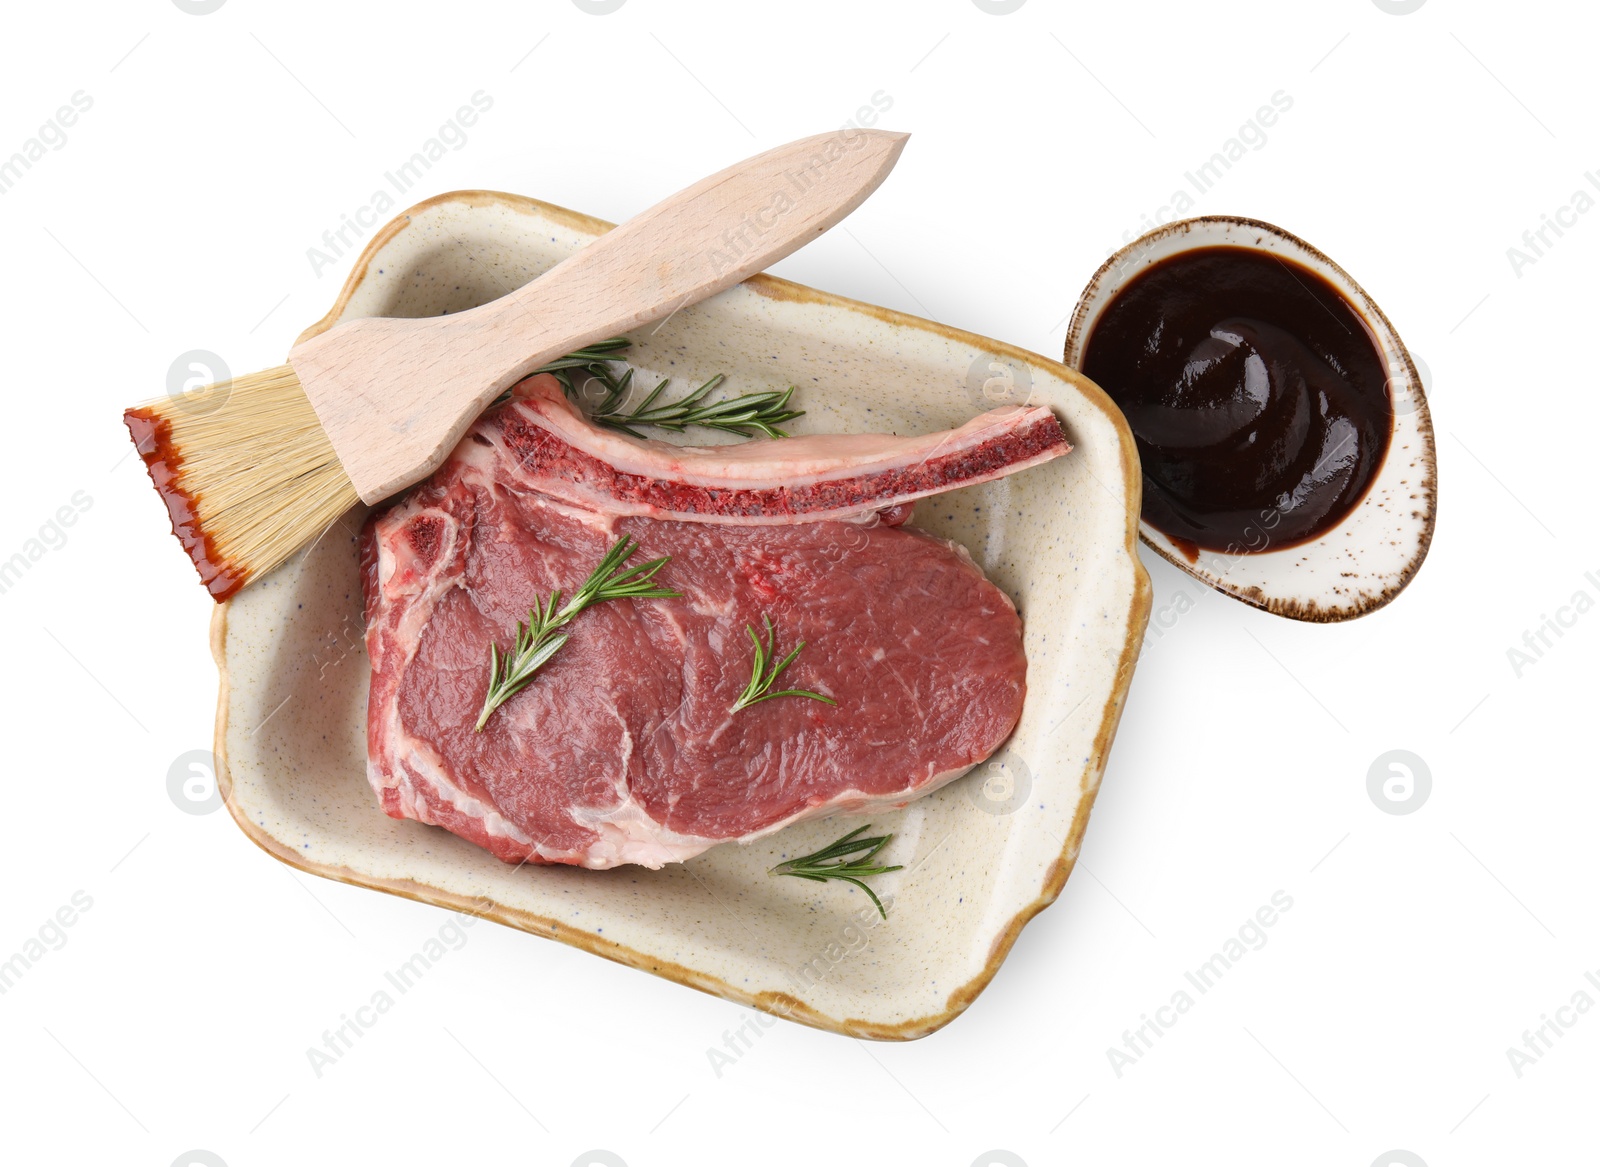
(623, 749)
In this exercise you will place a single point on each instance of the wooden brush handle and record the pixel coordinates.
(396, 395)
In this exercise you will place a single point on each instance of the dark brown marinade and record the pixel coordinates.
(1256, 394)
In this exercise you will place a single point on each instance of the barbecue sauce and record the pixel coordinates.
(1257, 397)
(153, 437)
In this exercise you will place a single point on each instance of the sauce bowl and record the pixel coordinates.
(1367, 558)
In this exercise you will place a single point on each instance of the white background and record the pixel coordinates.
(1419, 148)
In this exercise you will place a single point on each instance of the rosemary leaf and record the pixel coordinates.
(762, 677)
(540, 637)
(835, 862)
(748, 415)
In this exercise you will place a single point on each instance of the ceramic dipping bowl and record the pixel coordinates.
(1364, 561)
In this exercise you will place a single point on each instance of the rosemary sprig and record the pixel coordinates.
(747, 415)
(834, 862)
(540, 638)
(590, 359)
(762, 676)
(750, 414)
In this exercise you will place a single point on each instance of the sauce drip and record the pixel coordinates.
(1257, 397)
(152, 434)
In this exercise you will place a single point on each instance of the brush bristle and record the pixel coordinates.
(246, 472)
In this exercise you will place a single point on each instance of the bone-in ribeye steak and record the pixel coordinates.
(623, 749)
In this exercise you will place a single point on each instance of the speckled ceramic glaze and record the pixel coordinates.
(981, 856)
(1375, 550)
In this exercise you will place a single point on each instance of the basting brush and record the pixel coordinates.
(254, 468)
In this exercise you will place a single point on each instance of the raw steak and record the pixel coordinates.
(623, 748)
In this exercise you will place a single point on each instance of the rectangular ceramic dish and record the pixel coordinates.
(981, 856)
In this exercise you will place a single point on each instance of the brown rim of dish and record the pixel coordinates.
(1367, 306)
(779, 1004)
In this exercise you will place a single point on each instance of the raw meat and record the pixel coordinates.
(559, 453)
(623, 749)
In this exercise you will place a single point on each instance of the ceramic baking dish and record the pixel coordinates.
(981, 857)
